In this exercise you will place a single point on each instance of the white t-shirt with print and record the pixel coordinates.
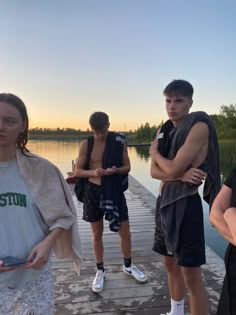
(21, 224)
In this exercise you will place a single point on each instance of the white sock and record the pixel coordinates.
(177, 307)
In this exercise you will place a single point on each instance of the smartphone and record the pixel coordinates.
(13, 261)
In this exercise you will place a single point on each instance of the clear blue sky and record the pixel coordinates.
(68, 58)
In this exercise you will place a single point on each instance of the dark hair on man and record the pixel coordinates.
(99, 121)
(179, 88)
(16, 102)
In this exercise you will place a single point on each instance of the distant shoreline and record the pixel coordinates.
(132, 144)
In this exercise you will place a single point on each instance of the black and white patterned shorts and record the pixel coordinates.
(92, 211)
(34, 298)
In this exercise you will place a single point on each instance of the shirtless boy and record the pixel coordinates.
(94, 202)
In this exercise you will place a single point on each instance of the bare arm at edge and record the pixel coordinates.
(230, 218)
(220, 204)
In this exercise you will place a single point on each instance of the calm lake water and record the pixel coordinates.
(62, 153)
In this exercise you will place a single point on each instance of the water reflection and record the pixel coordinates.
(227, 157)
(142, 152)
(64, 151)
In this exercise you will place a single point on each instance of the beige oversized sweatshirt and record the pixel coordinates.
(53, 198)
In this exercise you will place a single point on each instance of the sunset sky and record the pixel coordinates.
(69, 58)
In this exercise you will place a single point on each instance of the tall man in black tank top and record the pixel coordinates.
(179, 234)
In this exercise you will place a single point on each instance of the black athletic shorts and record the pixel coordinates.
(92, 211)
(227, 302)
(191, 249)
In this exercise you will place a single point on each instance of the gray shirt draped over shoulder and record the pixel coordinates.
(174, 194)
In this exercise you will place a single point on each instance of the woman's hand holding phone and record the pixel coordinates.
(10, 263)
(39, 254)
(37, 258)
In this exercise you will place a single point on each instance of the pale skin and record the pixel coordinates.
(222, 215)
(192, 153)
(11, 124)
(94, 175)
(230, 216)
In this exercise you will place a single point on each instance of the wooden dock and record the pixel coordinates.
(122, 295)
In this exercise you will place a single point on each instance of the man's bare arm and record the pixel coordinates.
(195, 141)
(220, 204)
(157, 172)
(230, 219)
(125, 168)
(81, 162)
(193, 175)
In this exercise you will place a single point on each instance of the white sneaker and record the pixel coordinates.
(135, 272)
(98, 281)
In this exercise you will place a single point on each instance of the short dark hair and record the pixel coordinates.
(99, 121)
(16, 102)
(179, 88)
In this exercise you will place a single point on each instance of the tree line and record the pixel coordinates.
(225, 123)
(58, 134)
